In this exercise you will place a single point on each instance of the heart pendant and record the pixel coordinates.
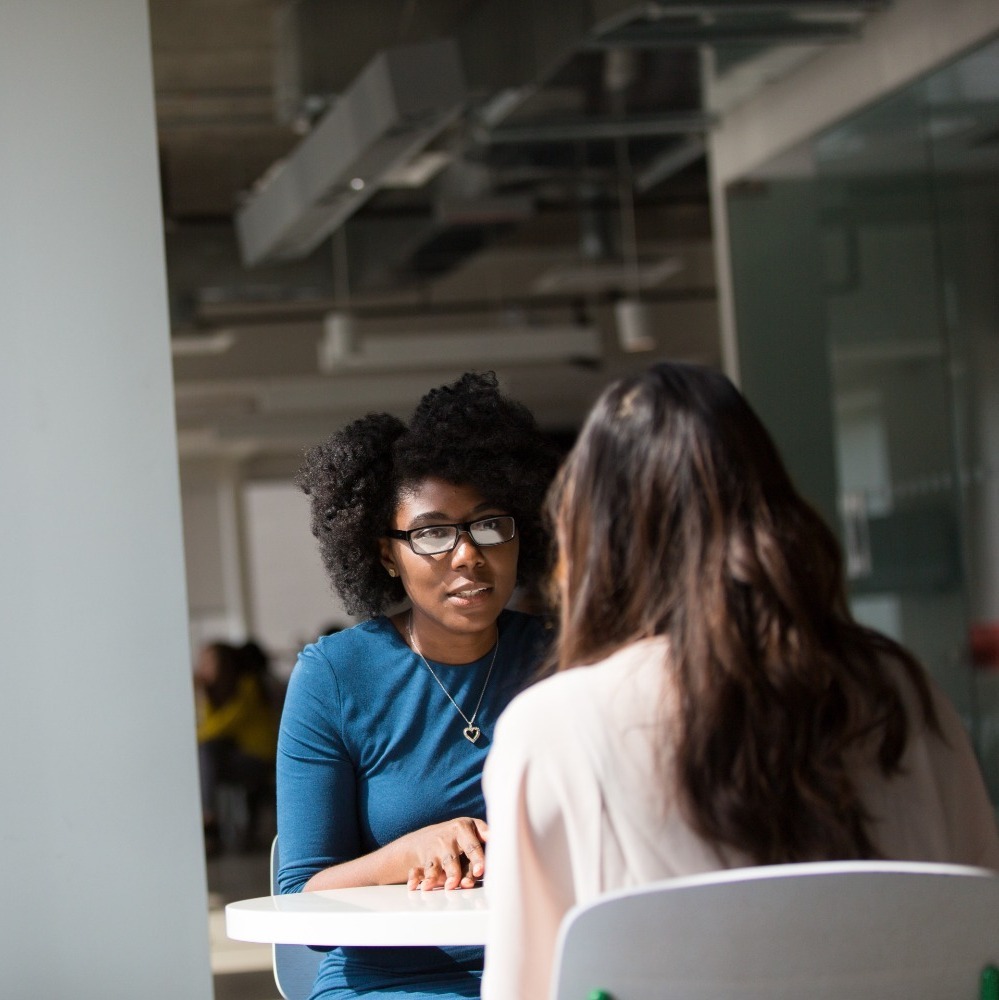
(472, 733)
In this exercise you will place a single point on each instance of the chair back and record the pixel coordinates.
(826, 931)
(295, 965)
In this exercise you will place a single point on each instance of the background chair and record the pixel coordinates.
(824, 931)
(295, 965)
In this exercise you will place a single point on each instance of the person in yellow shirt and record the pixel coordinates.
(237, 730)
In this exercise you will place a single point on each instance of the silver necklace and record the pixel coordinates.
(471, 732)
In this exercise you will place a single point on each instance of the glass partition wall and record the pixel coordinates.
(866, 277)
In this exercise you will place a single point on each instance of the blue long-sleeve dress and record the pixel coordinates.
(371, 749)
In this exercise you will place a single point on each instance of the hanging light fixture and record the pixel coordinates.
(631, 314)
(338, 344)
(634, 326)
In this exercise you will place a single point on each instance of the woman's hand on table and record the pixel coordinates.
(449, 855)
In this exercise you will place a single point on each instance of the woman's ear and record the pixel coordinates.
(388, 560)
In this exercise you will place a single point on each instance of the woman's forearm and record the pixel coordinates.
(386, 866)
(449, 854)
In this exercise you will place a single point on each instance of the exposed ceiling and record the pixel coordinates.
(553, 167)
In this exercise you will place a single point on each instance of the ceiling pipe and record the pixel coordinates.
(668, 35)
(268, 317)
(693, 8)
(605, 127)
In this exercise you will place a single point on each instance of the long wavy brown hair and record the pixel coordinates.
(674, 515)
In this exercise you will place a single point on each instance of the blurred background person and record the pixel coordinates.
(237, 732)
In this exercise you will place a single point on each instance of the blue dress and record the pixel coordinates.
(371, 749)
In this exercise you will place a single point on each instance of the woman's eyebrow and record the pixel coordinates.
(429, 517)
(439, 517)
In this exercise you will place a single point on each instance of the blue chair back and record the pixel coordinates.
(295, 965)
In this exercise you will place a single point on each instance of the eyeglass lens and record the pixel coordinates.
(444, 537)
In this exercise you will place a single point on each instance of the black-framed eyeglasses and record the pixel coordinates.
(436, 538)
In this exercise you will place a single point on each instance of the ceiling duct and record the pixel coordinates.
(321, 46)
(397, 106)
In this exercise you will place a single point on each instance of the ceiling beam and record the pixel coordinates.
(599, 127)
(693, 8)
(668, 35)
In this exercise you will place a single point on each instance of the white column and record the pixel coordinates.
(232, 543)
(103, 881)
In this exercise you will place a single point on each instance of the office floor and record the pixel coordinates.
(241, 971)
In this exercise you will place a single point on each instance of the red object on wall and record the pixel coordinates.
(984, 641)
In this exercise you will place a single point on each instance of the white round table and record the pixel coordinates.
(375, 915)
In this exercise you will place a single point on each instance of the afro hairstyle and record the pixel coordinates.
(466, 433)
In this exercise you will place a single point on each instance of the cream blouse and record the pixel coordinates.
(579, 803)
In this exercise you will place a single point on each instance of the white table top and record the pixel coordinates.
(368, 915)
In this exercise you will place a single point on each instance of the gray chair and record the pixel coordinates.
(295, 965)
(824, 931)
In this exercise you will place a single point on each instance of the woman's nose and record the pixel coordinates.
(465, 550)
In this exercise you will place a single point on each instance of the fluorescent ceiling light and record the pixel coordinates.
(475, 348)
(570, 279)
(199, 345)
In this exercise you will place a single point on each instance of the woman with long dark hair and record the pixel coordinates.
(715, 704)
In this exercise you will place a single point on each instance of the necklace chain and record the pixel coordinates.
(471, 731)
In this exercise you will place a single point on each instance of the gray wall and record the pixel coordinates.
(782, 355)
(102, 871)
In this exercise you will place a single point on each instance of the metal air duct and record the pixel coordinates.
(398, 104)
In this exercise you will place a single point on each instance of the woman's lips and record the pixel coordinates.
(469, 596)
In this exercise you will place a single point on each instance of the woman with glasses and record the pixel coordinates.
(425, 529)
(715, 703)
